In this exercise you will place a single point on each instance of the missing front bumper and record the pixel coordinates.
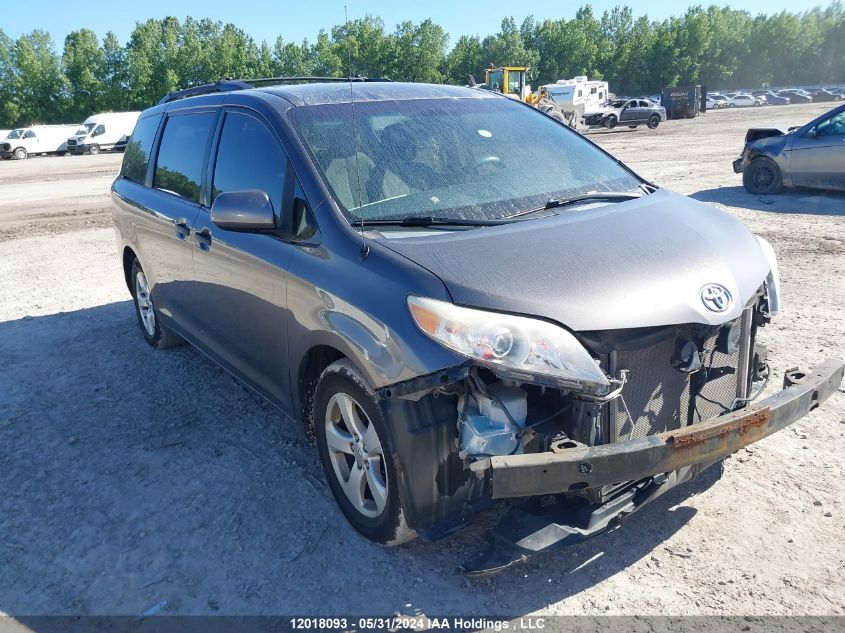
(631, 460)
(653, 465)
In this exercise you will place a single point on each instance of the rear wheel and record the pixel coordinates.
(355, 453)
(20, 153)
(762, 176)
(611, 121)
(654, 121)
(151, 328)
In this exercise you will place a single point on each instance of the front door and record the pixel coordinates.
(630, 112)
(240, 294)
(817, 158)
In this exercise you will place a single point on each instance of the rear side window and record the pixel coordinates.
(249, 157)
(181, 154)
(136, 157)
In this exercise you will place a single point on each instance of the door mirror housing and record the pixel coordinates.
(245, 210)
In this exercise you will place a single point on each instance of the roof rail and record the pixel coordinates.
(224, 85)
(227, 85)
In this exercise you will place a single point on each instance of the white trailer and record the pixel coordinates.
(102, 132)
(36, 139)
(579, 91)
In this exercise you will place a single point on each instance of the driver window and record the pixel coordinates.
(100, 129)
(631, 104)
(29, 134)
(834, 126)
(248, 157)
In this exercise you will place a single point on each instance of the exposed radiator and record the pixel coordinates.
(657, 397)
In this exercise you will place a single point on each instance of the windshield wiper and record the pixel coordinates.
(423, 221)
(555, 203)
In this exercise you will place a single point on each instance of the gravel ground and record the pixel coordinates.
(132, 477)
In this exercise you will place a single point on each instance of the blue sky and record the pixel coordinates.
(295, 20)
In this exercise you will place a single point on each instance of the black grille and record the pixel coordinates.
(657, 397)
(5, 147)
(71, 142)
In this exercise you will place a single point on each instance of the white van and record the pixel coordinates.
(102, 132)
(36, 139)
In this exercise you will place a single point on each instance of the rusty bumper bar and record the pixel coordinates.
(630, 460)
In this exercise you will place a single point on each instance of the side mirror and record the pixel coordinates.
(244, 210)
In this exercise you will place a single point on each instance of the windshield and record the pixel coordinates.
(481, 159)
(618, 103)
(15, 134)
(85, 128)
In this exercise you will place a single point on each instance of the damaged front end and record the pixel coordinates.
(577, 455)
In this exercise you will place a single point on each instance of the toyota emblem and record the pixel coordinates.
(716, 297)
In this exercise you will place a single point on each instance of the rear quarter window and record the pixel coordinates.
(136, 157)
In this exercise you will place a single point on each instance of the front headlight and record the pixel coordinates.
(512, 342)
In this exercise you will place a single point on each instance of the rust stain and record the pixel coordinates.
(742, 424)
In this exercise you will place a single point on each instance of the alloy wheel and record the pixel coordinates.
(145, 303)
(356, 455)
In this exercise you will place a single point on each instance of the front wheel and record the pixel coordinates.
(355, 452)
(654, 121)
(94, 150)
(20, 153)
(610, 121)
(146, 312)
(762, 176)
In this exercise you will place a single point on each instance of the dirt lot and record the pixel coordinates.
(132, 477)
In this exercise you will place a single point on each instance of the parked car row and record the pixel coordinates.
(784, 96)
(100, 132)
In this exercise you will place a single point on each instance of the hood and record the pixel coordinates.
(757, 133)
(630, 264)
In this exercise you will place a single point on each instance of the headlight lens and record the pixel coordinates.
(518, 343)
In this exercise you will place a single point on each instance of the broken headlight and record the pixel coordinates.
(512, 342)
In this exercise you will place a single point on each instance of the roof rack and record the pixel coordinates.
(228, 85)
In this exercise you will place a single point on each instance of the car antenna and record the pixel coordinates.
(365, 250)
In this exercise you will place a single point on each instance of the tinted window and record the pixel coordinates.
(100, 129)
(182, 153)
(29, 134)
(137, 153)
(249, 157)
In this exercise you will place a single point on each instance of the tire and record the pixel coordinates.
(653, 122)
(557, 116)
(632, 127)
(762, 176)
(731, 105)
(148, 318)
(20, 153)
(94, 150)
(610, 121)
(373, 508)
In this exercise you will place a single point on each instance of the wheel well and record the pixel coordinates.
(313, 363)
(128, 257)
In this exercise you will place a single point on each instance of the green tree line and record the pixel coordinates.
(715, 46)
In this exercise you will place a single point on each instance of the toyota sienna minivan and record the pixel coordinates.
(463, 300)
